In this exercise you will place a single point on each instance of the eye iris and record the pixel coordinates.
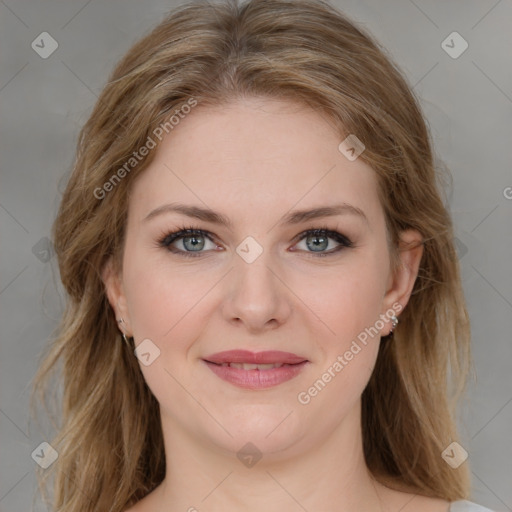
(196, 241)
(318, 246)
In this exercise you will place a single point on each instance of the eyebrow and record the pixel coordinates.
(293, 217)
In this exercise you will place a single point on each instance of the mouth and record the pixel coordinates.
(256, 370)
(267, 357)
(251, 366)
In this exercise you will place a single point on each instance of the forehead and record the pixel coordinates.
(254, 158)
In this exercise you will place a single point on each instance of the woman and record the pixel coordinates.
(264, 294)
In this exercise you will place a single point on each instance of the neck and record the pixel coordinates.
(329, 475)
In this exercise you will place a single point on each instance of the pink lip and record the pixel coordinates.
(256, 379)
(244, 356)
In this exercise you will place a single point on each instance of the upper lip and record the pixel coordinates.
(245, 356)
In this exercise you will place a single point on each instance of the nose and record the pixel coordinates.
(256, 295)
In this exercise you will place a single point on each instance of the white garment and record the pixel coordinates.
(467, 506)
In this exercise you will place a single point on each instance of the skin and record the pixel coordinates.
(254, 160)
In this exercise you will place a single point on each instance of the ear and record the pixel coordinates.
(401, 282)
(112, 280)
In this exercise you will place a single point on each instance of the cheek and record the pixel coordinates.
(162, 300)
(347, 301)
(350, 307)
(166, 306)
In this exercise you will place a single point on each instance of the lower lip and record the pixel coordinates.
(256, 379)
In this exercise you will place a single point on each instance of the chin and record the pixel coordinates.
(271, 428)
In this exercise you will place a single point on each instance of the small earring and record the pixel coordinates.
(121, 321)
(394, 323)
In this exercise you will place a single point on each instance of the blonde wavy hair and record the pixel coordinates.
(108, 432)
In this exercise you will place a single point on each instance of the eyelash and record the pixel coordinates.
(167, 239)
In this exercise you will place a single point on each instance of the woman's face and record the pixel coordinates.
(252, 283)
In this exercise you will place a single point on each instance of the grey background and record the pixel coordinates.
(467, 101)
